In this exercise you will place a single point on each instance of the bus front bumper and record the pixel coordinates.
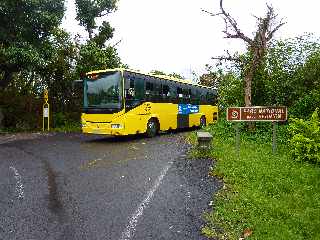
(104, 128)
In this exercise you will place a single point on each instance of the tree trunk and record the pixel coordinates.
(247, 89)
(90, 33)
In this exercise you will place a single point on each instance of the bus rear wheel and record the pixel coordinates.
(152, 128)
(203, 122)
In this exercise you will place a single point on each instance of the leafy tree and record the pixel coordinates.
(290, 75)
(95, 54)
(59, 73)
(25, 27)
(228, 83)
(92, 56)
(211, 78)
(89, 10)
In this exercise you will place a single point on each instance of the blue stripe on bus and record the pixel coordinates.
(187, 108)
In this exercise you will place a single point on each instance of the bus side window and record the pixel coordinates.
(149, 88)
(197, 96)
(212, 98)
(185, 93)
(189, 93)
(203, 96)
(179, 92)
(131, 83)
(157, 90)
(173, 92)
(193, 96)
(165, 91)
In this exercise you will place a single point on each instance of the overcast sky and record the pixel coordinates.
(175, 36)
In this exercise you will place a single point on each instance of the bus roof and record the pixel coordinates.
(165, 77)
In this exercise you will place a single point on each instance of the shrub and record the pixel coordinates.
(59, 120)
(305, 140)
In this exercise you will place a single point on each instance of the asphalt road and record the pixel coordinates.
(72, 186)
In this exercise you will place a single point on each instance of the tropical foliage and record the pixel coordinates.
(35, 53)
(289, 76)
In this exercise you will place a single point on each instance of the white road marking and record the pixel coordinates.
(19, 185)
(129, 231)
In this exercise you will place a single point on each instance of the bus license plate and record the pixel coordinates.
(97, 131)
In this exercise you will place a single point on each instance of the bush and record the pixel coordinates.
(305, 139)
(306, 104)
(21, 112)
(66, 122)
(59, 120)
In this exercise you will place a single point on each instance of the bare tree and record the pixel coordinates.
(257, 45)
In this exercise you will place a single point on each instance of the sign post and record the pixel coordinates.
(46, 110)
(255, 114)
(274, 137)
(238, 139)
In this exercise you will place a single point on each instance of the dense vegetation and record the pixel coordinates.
(265, 195)
(289, 76)
(35, 53)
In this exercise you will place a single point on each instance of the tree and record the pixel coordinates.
(59, 72)
(89, 10)
(92, 56)
(257, 45)
(174, 75)
(211, 78)
(95, 54)
(25, 28)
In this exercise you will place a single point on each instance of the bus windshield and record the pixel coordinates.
(103, 91)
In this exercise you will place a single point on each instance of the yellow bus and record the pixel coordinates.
(124, 102)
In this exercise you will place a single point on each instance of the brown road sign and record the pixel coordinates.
(274, 114)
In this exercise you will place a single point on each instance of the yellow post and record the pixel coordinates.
(46, 107)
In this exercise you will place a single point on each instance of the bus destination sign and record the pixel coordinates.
(273, 114)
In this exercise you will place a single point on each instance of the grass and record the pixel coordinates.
(69, 127)
(269, 194)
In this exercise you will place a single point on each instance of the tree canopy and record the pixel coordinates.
(26, 27)
(89, 10)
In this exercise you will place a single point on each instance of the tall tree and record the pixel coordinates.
(257, 45)
(95, 54)
(89, 10)
(25, 27)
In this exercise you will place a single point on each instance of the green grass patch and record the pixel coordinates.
(68, 127)
(270, 194)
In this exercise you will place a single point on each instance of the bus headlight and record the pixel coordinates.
(116, 126)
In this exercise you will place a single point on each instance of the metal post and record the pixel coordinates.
(274, 137)
(45, 111)
(238, 139)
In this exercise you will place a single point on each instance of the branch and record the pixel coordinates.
(225, 58)
(228, 58)
(210, 13)
(117, 43)
(234, 25)
(270, 34)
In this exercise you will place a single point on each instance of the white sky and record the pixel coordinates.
(175, 36)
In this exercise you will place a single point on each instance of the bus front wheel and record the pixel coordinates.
(203, 122)
(152, 128)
